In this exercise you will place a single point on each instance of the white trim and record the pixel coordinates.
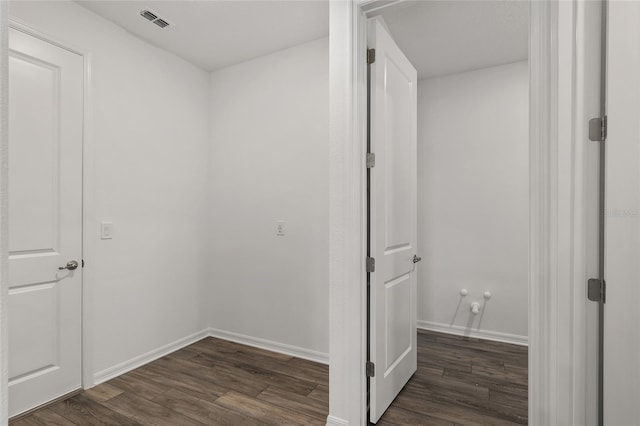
(458, 330)
(27, 28)
(542, 237)
(347, 192)
(89, 223)
(140, 360)
(271, 345)
(553, 358)
(374, 7)
(4, 196)
(558, 256)
(334, 421)
(587, 105)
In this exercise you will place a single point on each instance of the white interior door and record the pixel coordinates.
(45, 220)
(393, 234)
(622, 226)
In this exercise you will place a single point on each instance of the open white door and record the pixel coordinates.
(392, 221)
(622, 226)
(45, 221)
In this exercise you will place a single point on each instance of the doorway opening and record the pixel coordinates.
(449, 132)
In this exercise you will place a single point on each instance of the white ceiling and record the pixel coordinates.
(215, 34)
(438, 37)
(446, 37)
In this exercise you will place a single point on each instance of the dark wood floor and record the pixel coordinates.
(463, 381)
(215, 382)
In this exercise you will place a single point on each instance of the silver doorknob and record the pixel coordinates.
(416, 258)
(71, 265)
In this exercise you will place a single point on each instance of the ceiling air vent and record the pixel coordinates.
(161, 23)
(153, 17)
(149, 15)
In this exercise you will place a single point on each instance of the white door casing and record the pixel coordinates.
(554, 392)
(45, 220)
(393, 196)
(622, 226)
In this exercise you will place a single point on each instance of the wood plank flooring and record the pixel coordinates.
(463, 381)
(459, 381)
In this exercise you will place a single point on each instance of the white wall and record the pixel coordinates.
(473, 201)
(177, 155)
(147, 171)
(269, 162)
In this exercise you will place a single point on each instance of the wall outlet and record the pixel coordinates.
(280, 228)
(106, 230)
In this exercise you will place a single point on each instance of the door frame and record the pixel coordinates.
(4, 202)
(559, 256)
(87, 379)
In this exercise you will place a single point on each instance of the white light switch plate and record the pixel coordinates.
(280, 228)
(106, 230)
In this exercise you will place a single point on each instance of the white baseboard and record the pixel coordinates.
(478, 334)
(139, 361)
(334, 421)
(133, 363)
(270, 345)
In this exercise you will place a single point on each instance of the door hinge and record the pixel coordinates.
(371, 264)
(371, 369)
(371, 160)
(83, 263)
(371, 56)
(598, 129)
(597, 290)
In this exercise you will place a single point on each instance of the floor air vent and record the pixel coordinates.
(153, 17)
